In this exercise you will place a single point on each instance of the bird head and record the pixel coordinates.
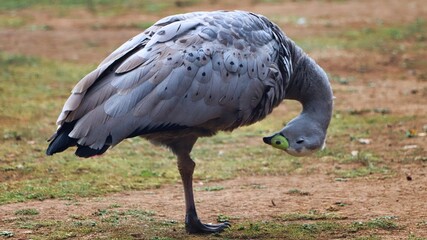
(300, 137)
(306, 133)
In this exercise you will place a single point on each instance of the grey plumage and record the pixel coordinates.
(191, 75)
(177, 64)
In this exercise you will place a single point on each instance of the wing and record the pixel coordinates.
(207, 70)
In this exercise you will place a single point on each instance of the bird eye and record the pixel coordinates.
(300, 141)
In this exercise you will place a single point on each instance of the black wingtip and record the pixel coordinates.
(60, 143)
(60, 140)
(86, 152)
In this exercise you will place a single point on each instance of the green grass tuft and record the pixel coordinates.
(210, 188)
(298, 192)
(312, 215)
(384, 223)
(27, 212)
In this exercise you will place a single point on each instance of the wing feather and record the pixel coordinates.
(127, 47)
(163, 109)
(173, 30)
(169, 86)
(122, 103)
(198, 90)
(131, 63)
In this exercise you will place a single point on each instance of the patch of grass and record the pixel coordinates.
(223, 218)
(385, 223)
(366, 164)
(27, 211)
(162, 238)
(135, 223)
(370, 237)
(210, 188)
(311, 215)
(132, 25)
(6, 234)
(141, 214)
(115, 205)
(422, 223)
(278, 230)
(117, 217)
(37, 224)
(11, 21)
(42, 27)
(137, 213)
(211, 153)
(98, 6)
(361, 171)
(298, 192)
(142, 25)
(341, 80)
(85, 223)
(353, 159)
(414, 237)
(378, 38)
(25, 78)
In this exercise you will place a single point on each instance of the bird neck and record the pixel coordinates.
(310, 86)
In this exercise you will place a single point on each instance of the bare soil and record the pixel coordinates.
(265, 198)
(75, 38)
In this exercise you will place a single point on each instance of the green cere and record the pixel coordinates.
(280, 142)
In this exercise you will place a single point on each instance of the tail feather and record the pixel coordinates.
(61, 141)
(85, 151)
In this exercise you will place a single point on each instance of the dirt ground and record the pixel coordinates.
(265, 198)
(365, 198)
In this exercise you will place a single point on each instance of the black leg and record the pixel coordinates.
(192, 222)
(186, 168)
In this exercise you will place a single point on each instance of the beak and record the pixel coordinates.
(267, 140)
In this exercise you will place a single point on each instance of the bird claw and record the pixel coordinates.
(194, 225)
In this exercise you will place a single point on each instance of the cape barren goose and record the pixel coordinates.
(192, 75)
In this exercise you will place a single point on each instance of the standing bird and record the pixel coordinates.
(192, 75)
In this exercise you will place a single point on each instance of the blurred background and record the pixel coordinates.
(369, 183)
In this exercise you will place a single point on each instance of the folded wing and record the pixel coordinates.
(199, 70)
